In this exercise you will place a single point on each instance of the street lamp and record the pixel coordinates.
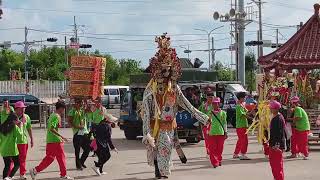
(209, 33)
(186, 50)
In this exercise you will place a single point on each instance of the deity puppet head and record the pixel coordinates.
(165, 65)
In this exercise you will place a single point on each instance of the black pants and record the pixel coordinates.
(103, 156)
(156, 169)
(7, 163)
(78, 143)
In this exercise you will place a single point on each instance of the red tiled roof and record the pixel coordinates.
(302, 51)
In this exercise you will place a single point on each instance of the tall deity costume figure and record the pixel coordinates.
(161, 100)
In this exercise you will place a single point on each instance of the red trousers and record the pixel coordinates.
(216, 144)
(299, 142)
(23, 150)
(276, 163)
(242, 143)
(205, 130)
(266, 149)
(54, 151)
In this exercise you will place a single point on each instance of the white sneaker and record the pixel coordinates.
(244, 157)
(33, 173)
(305, 158)
(236, 156)
(7, 178)
(24, 177)
(103, 173)
(96, 170)
(66, 177)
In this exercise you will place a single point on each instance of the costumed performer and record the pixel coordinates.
(161, 99)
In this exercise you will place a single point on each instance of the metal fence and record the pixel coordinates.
(41, 89)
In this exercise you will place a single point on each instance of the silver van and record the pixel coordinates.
(112, 95)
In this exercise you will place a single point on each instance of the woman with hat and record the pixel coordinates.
(277, 140)
(24, 123)
(300, 130)
(217, 133)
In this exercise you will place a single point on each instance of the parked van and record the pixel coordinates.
(113, 95)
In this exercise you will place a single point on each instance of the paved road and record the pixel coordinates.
(130, 163)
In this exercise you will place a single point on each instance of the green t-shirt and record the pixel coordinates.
(78, 117)
(53, 123)
(203, 109)
(216, 128)
(4, 115)
(241, 120)
(303, 124)
(97, 116)
(23, 137)
(8, 145)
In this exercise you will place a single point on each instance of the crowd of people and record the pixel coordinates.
(215, 132)
(91, 126)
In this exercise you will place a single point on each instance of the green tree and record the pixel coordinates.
(10, 59)
(251, 70)
(224, 73)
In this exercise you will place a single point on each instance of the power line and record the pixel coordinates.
(104, 13)
(106, 38)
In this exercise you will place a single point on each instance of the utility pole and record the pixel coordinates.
(260, 28)
(241, 28)
(209, 51)
(66, 50)
(277, 38)
(76, 32)
(26, 49)
(213, 53)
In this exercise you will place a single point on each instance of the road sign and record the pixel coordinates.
(74, 45)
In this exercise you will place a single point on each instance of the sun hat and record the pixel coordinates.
(274, 105)
(19, 104)
(295, 99)
(216, 100)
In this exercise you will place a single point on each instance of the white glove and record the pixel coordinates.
(150, 140)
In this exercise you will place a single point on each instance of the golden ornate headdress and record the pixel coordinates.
(165, 57)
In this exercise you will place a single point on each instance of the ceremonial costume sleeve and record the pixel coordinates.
(147, 95)
(108, 116)
(185, 104)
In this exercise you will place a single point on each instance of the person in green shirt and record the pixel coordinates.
(241, 125)
(81, 139)
(9, 132)
(55, 143)
(300, 130)
(206, 108)
(24, 123)
(217, 133)
(5, 110)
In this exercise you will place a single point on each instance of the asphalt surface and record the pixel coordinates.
(130, 162)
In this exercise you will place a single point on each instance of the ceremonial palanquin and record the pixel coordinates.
(86, 76)
(161, 99)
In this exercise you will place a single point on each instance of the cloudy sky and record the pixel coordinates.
(126, 29)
